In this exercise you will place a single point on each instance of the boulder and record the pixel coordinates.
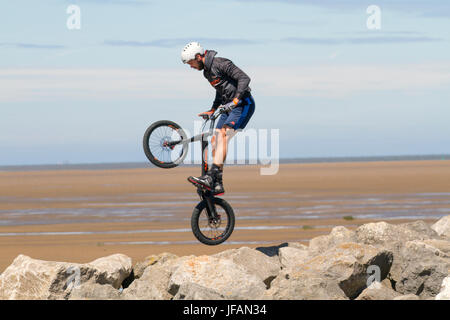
(391, 237)
(377, 261)
(442, 245)
(377, 291)
(382, 234)
(320, 244)
(297, 245)
(304, 286)
(407, 297)
(153, 283)
(140, 267)
(421, 269)
(223, 275)
(112, 269)
(387, 283)
(342, 272)
(32, 279)
(365, 263)
(421, 227)
(442, 227)
(193, 291)
(290, 256)
(94, 291)
(444, 293)
(254, 261)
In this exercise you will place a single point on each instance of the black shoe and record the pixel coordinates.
(218, 184)
(206, 181)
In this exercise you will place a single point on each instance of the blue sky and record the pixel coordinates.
(332, 86)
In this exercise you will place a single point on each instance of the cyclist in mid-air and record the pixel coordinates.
(232, 95)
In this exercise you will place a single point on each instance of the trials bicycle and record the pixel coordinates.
(166, 145)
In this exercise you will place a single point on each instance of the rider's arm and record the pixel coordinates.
(240, 76)
(217, 101)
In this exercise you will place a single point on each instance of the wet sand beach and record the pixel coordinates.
(82, 215)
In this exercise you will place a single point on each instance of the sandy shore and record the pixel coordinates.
(79, 216)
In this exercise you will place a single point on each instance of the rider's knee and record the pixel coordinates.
(228, 132)
(213, 142)
(222, 135)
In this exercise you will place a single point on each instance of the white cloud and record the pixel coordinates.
(184, 83)
(99, 84)
(343, 80)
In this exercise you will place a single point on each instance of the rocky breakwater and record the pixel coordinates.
(376, 261)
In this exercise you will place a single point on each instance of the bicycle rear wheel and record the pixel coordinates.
(210, 231)
(163, 144)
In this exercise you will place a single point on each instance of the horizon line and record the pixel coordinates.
(284, 160)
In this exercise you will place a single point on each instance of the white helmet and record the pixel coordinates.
(190, 50)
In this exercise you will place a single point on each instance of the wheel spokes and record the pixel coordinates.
(158, 144)
(212, 229)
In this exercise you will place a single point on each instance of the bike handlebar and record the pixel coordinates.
(214, 115)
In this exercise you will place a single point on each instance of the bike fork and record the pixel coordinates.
(210, 207)
(204, 194)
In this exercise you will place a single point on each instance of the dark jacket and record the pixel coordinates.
(229, 81)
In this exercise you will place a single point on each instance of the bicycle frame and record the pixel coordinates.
(165, 145)
(203, 137)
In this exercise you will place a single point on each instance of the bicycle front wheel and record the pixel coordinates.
(165, 144)
(213, 231)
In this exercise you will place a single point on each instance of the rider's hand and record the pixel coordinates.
(228, 107)
(205, 115)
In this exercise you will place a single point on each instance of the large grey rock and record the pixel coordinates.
(254, 261)
(442, 226)
(444, 293)
(411, 258)
(152, 285)
(112, 269)
(421, 269)
(390, 237)
(193, 291)
(421, 227)
(154, 282)
(222, 275)
(382, 234)
(140, 266)
(290, 256)
(306, 285)
(387, 283)
(377, 291)
(407, 297)
(339, 234)
(348, 265)
(94, 291)
(442, 245)
(32, 279)
(297, 245)
(353, 265)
